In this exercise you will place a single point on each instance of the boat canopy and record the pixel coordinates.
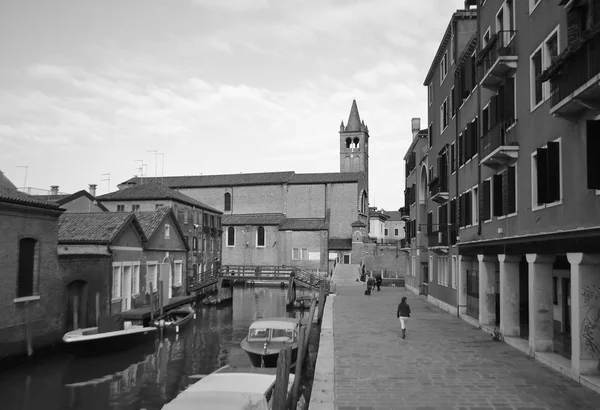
(275, 324)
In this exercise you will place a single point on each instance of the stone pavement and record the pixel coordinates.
(444, 363)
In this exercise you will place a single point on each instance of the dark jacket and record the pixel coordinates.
(403, 310)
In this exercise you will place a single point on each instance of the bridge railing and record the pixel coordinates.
(313, 280)
(248, 270)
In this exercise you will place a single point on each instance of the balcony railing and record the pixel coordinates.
(433, 238)
(573, 75)
(500, 144)
(498, 58)
(438, 189)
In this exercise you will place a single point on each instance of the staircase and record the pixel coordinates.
(346, 275)
(311, 280)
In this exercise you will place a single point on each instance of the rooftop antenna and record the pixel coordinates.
(155, 161)
(162, 163)
(25, 180)
(107, 179)
(141, 169)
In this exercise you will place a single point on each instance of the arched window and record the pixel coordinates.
(227, 206)
(348, 142)
(356, 142)
(27, 267)
(260, 237)
(231, 236)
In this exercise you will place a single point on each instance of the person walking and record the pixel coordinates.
(403, 314)
(378, 281)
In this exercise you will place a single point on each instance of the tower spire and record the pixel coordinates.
(354, 123)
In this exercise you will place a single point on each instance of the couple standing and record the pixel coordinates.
(403, 313)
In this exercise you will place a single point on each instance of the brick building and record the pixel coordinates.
(527, 183)
(30, 284)
(285, 218)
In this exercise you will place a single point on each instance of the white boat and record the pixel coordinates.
(267, 337)
(230, 388)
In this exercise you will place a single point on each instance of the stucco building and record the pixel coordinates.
(286, 218)
(529, 228)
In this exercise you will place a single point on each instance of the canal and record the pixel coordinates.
(150, 375)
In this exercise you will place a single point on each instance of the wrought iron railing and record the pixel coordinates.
(498, 135)
(503, 43)
(575, 70)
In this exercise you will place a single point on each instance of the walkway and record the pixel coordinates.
(444, 363)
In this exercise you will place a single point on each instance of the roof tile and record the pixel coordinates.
(15, 197)
(94, 227)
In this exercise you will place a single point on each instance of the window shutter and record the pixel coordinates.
(512, 190)
(500, 102)
(461, 210)
(453, 211)
(542, 177)
(493, 111)
(553, 174)
(509, 100)
(429, 223)
(468, 208)
(505, 193)
(486, 200)
(593, 150)
(475, 136)
(468, 143)
(497, 195)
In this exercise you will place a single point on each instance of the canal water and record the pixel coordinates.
(150, 375)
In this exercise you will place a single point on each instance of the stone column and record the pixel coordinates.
(585, 312)
(464, 262)
(509, 295)
(541, 309)
(487, 298)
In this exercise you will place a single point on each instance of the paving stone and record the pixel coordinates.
(444, 363)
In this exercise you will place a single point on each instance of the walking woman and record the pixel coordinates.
(403, 314)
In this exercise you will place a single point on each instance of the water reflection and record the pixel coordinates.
(150, 375)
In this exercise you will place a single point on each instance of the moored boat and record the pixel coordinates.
(111, 335)
(267, 337)
(175, 319)
(230, 388)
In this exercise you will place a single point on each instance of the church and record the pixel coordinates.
(287, 218)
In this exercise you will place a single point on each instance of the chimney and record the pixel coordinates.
(53, 189)
(93, 190)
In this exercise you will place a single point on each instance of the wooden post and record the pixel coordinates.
(311, 316)
(282, 379)
(28, 333)
(161, 296)
(321, 301)
(299, 363)
(75, 312)
(151, 303)
(97, 307)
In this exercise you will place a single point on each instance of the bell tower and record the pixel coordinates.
(354, 144)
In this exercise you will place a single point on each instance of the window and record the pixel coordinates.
(444, 67)
(116, 281)
(120, 208)
(177, 273)
(227, 199)
(205, 219)
(299, 253)
(158, 206)
(396, 232)
(194, 243)
(487, 200)
(430, 94)
(452, 48)
(185, 216)
(465, 204)
(453, 157)
(452, 103)
(430, 134)
(212, 221)
(167, 231)
(532, 5)
(592, 151)
(385, 232)
(295, 253)
(444, 116)
(304, 254)
(135, 279)
(28, 266)
(231, 236)
(475, 205)
(152, 276)
(541, 59)
(546, 175)
(135, 208)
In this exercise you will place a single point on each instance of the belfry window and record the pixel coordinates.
(348, 142)
(356, 142)
(227, 205)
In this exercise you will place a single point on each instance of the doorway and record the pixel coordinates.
(77, 305)
(473, 293)
(566, 302)
(347, 259)
(126, 301)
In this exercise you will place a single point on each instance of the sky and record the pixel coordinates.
(90, 91)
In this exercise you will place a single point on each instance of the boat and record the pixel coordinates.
(230, 388)
(267, 337)
(174, 320)
(112, 334)
(303, 302)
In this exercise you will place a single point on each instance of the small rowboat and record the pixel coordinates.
(174, 320)
(267, 337)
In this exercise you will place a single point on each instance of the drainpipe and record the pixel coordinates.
(457, 149)
(479, 126)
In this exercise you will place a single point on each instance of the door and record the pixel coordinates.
(126, 280)
(566, 299)
(346, 258)
(77, 311)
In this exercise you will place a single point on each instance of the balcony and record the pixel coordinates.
(437, 239)
(575, 80)
(438, 189)
(498, 59)
(499, 145)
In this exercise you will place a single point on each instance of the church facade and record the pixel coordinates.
(288, 218)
